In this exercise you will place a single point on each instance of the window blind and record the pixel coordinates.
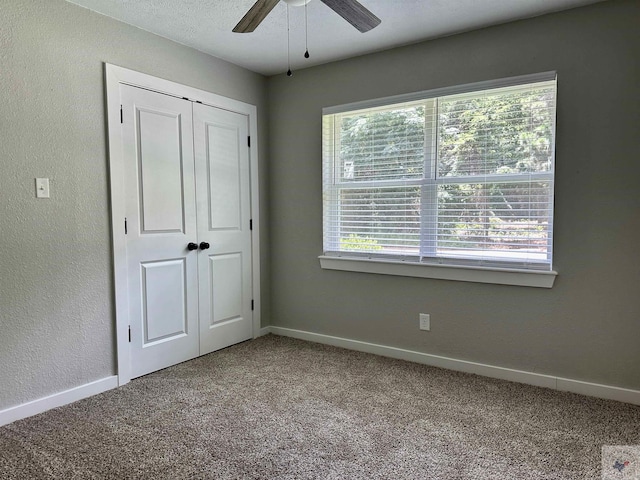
(460, 179)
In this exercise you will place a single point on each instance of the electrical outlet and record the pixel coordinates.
(425, 321)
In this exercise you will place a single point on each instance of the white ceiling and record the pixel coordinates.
(206, 25)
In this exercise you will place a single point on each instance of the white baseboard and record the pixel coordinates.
(539, 380)
(263, 331)
(600, 391)
(57, 400)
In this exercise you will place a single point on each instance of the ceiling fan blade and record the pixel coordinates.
(355, 13)
(255, 16)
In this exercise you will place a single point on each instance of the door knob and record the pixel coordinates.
(204, 245)
(192, 246)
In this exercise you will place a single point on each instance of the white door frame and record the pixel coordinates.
(114, 76)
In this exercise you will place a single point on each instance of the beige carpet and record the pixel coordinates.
(278, 408)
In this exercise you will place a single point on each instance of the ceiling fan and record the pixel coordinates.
(351, 10)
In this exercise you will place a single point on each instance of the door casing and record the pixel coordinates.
(114, 77)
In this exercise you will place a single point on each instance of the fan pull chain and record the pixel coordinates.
(289, 72)
(306, 31)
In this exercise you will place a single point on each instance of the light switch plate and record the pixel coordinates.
(42, 187)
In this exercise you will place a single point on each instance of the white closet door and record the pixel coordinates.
(223, 205)
(157, 135)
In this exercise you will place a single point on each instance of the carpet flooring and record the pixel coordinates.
(279, 408)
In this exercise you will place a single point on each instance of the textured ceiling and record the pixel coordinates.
(206, 25)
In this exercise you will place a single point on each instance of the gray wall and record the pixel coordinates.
(56, 284)
(588, 326)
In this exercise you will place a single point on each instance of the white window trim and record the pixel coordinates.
(478, 274)
(498, 276)
(441, 92)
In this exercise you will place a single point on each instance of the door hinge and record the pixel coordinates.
(125, 225)
(249, 142)
(121, 115)
(251, 224)
(129, 333)
(252, 304)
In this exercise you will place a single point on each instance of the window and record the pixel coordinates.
(455, 177)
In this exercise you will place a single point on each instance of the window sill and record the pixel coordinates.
(524, 278)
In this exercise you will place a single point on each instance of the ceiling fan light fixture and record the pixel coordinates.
(296, 3)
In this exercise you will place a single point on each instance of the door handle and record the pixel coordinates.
(192, 246)
(204, 245)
